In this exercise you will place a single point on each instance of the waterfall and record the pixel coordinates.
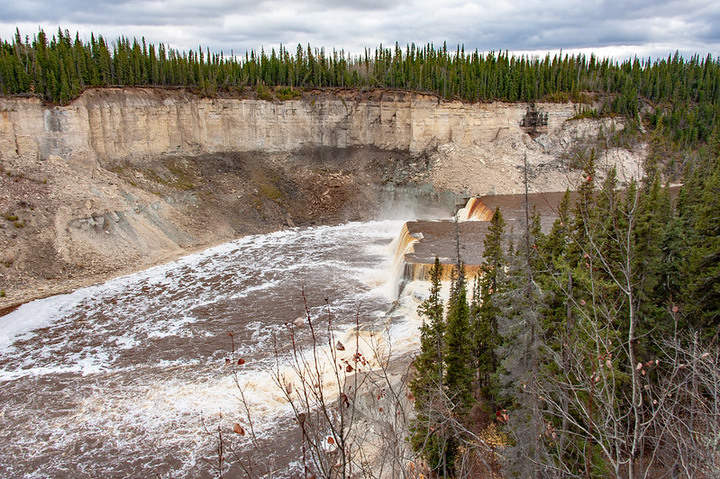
(406, 270)
(421, 271)
(403, 244)
(417, 267)
(476, 210)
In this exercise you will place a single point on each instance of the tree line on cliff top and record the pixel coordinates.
(589, 350)
(685, 92)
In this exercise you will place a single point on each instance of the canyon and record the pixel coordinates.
(125, 178)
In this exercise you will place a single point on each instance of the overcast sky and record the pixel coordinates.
(614, 28)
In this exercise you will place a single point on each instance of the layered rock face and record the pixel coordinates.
(118, 124)
(124, 178)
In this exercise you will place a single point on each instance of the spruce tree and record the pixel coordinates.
(704, 264)
(429, 364)
(655, 248)
(486, 313)
(428, 434)
(458, 348)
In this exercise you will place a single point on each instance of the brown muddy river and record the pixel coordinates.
(130, 379)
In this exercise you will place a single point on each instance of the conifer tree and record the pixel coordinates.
(458, 349)
(486, 312)
(429, 436)
(459, 361)
(429, 364)
(655, 249)
(703, 270)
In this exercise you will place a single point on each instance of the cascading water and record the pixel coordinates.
(130, 378)
(475, 209)
(403, 244)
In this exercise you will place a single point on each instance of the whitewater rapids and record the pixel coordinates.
(130, 377)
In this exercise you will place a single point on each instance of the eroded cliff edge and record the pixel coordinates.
(121, 179)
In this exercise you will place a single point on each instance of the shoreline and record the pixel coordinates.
(48, 288)
(39, 289)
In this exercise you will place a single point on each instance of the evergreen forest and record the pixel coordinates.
(590, 350)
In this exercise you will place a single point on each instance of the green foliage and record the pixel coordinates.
(703, 266)
(287, 93)
(429, 434)
(493, 245)
(555, 279)
(485, 312)
(264, 93)
(458, 349)
(614, 273)
(485, 315)
(655, 251)
(443, 381)
(429, 364)
(587, 112)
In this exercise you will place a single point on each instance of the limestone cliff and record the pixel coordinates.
(117, 124)
(124, 178)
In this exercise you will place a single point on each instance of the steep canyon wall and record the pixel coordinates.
(119, 124)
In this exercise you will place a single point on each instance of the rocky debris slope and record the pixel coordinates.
(62, 226)
(121, 179)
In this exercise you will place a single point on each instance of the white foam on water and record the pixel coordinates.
(126, 341)
(43, 312)
(121, 344)
(35, 315)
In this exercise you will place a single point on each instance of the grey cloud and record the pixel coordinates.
(358, 6)
(483, 24)
(118, 12)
